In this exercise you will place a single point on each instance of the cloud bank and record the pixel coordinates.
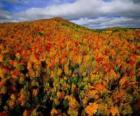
(90, 13)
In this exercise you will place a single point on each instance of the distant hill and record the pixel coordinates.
(17, 33)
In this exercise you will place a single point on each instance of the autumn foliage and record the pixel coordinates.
(54, 67)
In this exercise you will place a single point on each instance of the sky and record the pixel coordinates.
(90, 13)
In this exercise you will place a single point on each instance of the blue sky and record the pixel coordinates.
(90, 13)
(21, 5)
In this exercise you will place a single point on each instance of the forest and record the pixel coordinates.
(57, 68)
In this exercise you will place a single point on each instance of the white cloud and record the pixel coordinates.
(85, 8)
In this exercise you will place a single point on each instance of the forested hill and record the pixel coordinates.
(56, 67)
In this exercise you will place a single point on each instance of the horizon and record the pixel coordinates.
(106, 13)
(30, 21)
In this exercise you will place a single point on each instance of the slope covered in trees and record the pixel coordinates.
(54, 67)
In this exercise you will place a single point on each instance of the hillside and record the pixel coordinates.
(56, 67)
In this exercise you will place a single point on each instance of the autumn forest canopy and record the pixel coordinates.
(55, 67)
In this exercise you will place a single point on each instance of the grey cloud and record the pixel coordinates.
(136, 1)
(104, 22)
(4, 16)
